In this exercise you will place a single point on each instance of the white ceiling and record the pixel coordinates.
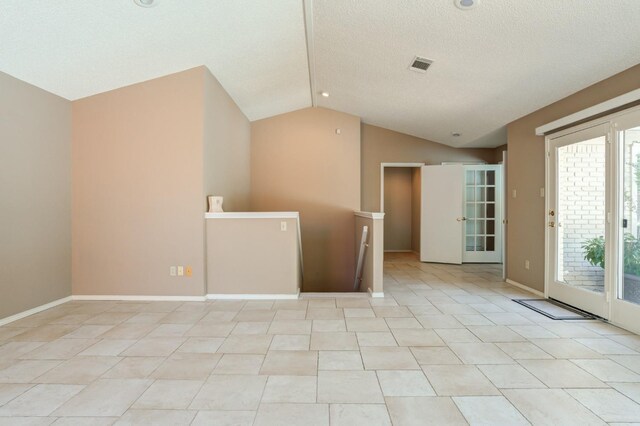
(493, 64)
(77, 48)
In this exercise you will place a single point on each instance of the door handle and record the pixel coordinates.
(460, 219)
(552, 224)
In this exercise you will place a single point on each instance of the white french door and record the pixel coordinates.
(578, 208)
(593, 218)
(482, 214)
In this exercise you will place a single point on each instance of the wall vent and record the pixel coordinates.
(420, 64)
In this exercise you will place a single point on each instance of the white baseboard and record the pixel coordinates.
(252, 296)
(35, 310)
(376, 294)
(139, 298)
(333, 295)
(524, 287)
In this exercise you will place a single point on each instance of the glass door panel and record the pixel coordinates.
(581, 217)
(629, 284)
(482, 183)
(577, 218)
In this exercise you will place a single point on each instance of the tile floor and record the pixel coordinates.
(445, 346)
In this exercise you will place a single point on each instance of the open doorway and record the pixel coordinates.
(400, 200)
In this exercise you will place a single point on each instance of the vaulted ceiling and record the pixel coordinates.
(491, 64)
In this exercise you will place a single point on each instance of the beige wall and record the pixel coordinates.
(252, 256)
(373, 264)
(526, 167)
(299, 163)
(416, 196)
(398, 208)
(138, 188)
(498, 153)
(227, 145)
(386, 146)
(35, 209)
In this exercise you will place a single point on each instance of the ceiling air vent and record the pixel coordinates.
(420, 64)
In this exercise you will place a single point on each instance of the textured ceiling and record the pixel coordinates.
(493, 64)
(77, 48)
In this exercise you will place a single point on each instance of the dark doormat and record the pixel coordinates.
(554, 309)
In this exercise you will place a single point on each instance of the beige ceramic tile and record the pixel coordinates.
(239, 364)
(550, 407)
(459, 380)
(561, 374)
(104, 397)
(349, 387)
(41, 400)
(169, 395)
(404, 383)
(293, 389)
(489, 410)
(290, 363)
(281, 414)
(339, 341)
(222, 392)
(339, 360)
(380, 358)
(224, 418)
(359, 415)
(412, 411)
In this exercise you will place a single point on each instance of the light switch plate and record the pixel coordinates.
(172, 271)
(283, 226)
(180, 271)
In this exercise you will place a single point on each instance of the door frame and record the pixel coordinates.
(382, 166)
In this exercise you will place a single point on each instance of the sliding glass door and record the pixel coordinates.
(593, 218)
(625, 309)
(577, 219)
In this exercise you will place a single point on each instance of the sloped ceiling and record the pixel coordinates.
(492, 64)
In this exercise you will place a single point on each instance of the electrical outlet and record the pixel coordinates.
(188, 272)
(514, 193)
(180, 271)
(283, 226)
(172, 271)
(526, 264)
(542, 192)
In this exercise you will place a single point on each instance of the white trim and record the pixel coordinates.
(586, 113)
(370, 215)
(334, 295)
(139, 298)
(253, 215)
(376, 294)
(35, 310)
(252, 296)
(382, 166)
(524, 287)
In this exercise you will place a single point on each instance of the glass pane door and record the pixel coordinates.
(629, 284)
(482, 208)
(577, 218)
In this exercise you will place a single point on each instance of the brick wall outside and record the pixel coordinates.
(581, 178)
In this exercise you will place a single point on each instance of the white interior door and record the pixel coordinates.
(442, 217)
(482, 214)
(578, 216)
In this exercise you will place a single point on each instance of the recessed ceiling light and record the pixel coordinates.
(466, 4)
(325, 94)
(455, 134)
(145, 3)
